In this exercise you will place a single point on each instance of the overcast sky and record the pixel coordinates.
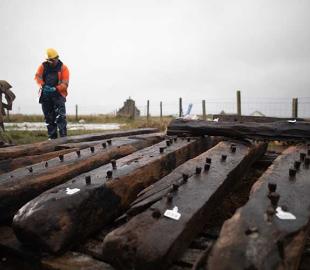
(158, 50)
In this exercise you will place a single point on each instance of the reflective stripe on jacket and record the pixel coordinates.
(63, 79)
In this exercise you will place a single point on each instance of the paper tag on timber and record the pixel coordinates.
(292, 121)
(284, 215)
(173, 214)
(71, 191)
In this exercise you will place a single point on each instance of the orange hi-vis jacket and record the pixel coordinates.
(63, 79)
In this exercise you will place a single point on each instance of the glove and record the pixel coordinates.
(48, 89)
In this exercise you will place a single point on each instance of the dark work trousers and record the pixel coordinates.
(54, 109)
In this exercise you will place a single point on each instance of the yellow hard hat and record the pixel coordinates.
(51, 53)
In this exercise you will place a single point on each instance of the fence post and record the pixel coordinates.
(180, 107)
(239, 103)
(161, 110)
(204, 116)
(148, 110)
(76, 113)
(295, 107)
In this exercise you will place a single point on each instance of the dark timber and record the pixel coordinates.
(255, 237)
(48, 146)
(152, 241)
(20, 186)
(102, 195)
(298, 131)
(250, 118)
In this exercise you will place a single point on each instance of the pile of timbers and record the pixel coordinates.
(148, 195)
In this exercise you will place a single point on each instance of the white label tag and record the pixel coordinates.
(173, 214)
(71, 191)
(292, 121)
(284, 215)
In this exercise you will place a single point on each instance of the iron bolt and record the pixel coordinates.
(292, 172)
(113, 162)
(78, 152)
(175, 139)
(302, 156)
(46, 164)
(161, 149)
(207, 166)
(109, 174)
(185, 177)
(109, 142)
(92, 149)
(169, 197)
(297, 164)
(30, 169)
(224, 157)
(171, 141)
(175, 187)
(198, 170)
(104, 145)
(251, 230)
(168, 142)
(208, 160)
(61, 158)
(156, 213)
(88, 179)
(233, 148)
(272, 187)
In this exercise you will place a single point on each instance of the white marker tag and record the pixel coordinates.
(71, 191)
(284, 215)
(173, 214)
(292, 121)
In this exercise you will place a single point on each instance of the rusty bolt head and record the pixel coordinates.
(46, 164)
(171, 140)
(174, 187)
(274, 198)
(233, 148)
(207, 166)
(169, 197)
(208, 160)
(109, 142)
(88, 179)
(161, 149)
(156, 213)
(188, 139)
(109, 174)
(175, 139)
(61, 158)
(113, 162)
(104, 145)
(185, 177)
(292, 172)
(307, 161)
(30, 169)
(78, 152)
(297, 164)
(302, 156)
(272, 187)
(223, 157)
(168, 143)
(92, 149)
(198, 170)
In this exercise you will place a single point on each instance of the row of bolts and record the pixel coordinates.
(169, 197)
(78, 152)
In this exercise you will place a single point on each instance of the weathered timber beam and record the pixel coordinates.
(152, 241)
(20, 186)
(102, 195)
(48, 146)
(11, 164)
(271, 131)
(255, 237)
(250, 118)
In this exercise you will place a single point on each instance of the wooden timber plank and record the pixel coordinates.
(255, 238)
(48, 146)
(152, 241)
(21, 185)
(69, 219)
(11, 164)
(271, 131)
(74, 261)
(250, 118)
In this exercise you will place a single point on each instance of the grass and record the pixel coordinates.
(24, 137)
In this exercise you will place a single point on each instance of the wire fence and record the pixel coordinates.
(273, 107)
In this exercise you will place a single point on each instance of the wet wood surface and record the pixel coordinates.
(297, 131)
(152, 241)
(256, 237)
(48, 146)
(69, 219)
(22, 185)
